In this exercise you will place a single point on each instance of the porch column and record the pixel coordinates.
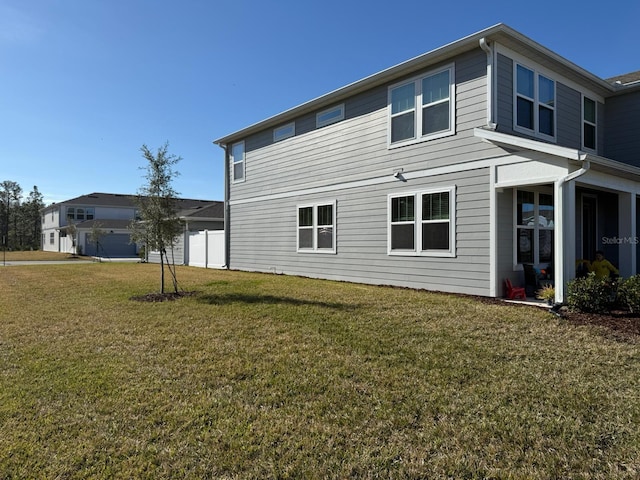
(626, 234)
(564, 218)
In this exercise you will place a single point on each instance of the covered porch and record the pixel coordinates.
(553, 207)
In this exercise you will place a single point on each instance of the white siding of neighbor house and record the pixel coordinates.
(175, 255)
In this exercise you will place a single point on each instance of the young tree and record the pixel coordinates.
(159, 225)
(72, 231)
(95, 235)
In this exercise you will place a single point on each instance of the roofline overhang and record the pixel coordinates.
(424, 60)
(388, 75)
(520, 143)
(201, 219)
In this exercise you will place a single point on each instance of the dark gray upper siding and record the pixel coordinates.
(568, 109)
(622, 137)
(356, 148)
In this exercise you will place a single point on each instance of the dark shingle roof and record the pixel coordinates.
(626, 79)
(105, 223)
(124, 200)
(211, 210)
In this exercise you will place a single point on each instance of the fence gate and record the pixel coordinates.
(206, 249)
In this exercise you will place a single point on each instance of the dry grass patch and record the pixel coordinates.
(264, 376)
(16, 256)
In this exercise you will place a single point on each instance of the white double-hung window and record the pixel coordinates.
(237, 161)
(422, 223)
(316, 228)
(535, 103)
(588, 123)
(534, 225)
(422, 108)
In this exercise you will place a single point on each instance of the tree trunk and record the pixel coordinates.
(161, 271)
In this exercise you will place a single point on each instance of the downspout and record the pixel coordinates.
(493, 200)
(227, 208)
(491, 115)
(559, 237)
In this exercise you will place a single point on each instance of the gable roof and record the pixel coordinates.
(212, 211)
(501, 33)
(124, 201)
(104, 224)
(626, 79)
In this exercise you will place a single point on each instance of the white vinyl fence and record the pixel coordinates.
(206, 249)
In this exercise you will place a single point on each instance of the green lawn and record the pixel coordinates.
(266, 376)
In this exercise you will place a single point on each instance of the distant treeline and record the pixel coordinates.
(20, 217)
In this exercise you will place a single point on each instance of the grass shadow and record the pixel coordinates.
(231, 298)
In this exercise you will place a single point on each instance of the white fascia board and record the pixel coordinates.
(528, 144)
(555, 150)
(386, 76)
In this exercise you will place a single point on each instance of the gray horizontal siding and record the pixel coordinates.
(504, 115)
(622, 117)
(356, 148)
(262, 241)
(568, 117)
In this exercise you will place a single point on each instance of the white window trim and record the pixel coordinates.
(323, 123)
(451, 252)
(595, 125)
(553, 75)
(233, 163)
(314, 228)
(418, 108)
(289, 131)
(536, 228)
(86, 212)
(536, 115)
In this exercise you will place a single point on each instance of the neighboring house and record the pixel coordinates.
(112, 214)
(196, 218)
(447, 172)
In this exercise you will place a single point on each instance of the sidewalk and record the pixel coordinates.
(14, 263)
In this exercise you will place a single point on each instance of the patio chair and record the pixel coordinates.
(514, 292)
(531, 279)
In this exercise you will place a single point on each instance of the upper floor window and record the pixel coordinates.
(422, 223)
(588, 123)
(286, 131)
(316, 228)
(422, 108)
(237, 161)
(329, 116)
(535, 103)
(80, 214)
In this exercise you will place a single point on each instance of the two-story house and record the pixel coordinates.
(447, 172)
(112, 214)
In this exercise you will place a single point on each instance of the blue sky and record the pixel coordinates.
(84, 83)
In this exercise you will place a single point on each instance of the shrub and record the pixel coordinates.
(591, 294)
(547, 293)
(629, 293)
